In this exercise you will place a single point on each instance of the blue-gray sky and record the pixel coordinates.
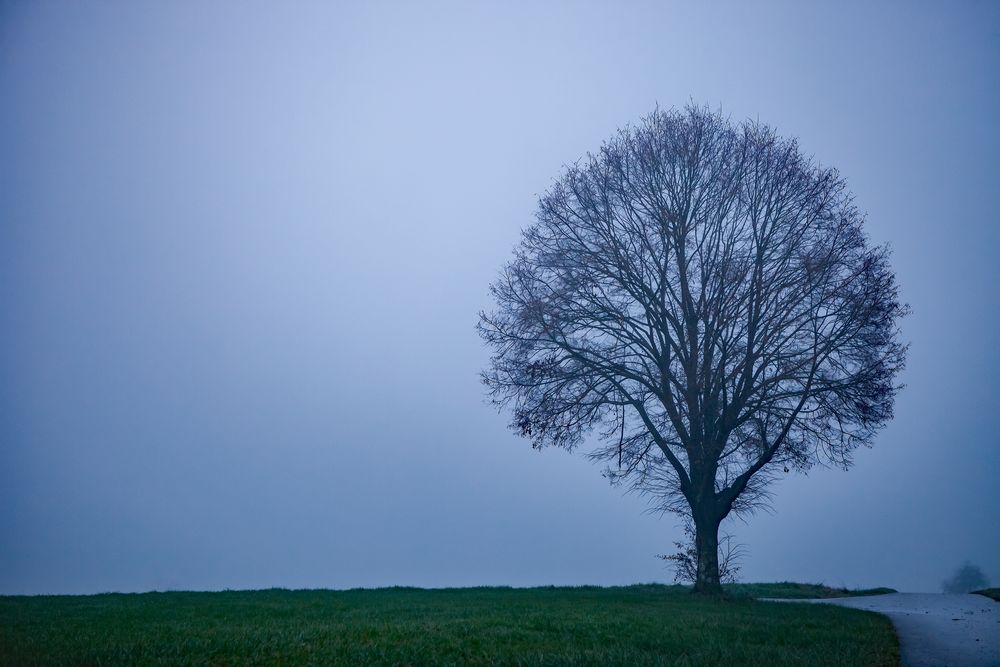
(243, 246)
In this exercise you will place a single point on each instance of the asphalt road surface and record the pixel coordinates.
(937, 630)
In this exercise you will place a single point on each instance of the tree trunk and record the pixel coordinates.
(707, 545)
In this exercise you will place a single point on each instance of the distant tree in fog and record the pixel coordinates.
(700, 298)
(966, 579)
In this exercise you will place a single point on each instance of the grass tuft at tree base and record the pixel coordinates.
(632, 625)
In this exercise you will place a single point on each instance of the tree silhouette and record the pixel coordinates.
(699, 300)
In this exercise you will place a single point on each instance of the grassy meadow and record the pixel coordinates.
(633, 625)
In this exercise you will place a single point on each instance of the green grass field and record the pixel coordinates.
(634, 625)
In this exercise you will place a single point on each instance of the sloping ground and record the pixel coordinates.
(788, 590)
(990, 593)
(635, 625)
(937, 629)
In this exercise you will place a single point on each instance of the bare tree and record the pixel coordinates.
(700, 298)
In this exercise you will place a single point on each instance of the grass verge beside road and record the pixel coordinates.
(990, 593)
(792, 591)
(633, 625)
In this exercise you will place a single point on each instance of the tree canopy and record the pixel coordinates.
(697, 300)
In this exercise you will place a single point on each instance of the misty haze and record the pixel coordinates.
(318, 296)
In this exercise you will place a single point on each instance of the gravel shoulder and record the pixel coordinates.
(936, 630)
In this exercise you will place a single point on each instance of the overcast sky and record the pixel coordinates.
(243, 248)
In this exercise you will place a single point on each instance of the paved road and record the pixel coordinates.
(938, 630)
